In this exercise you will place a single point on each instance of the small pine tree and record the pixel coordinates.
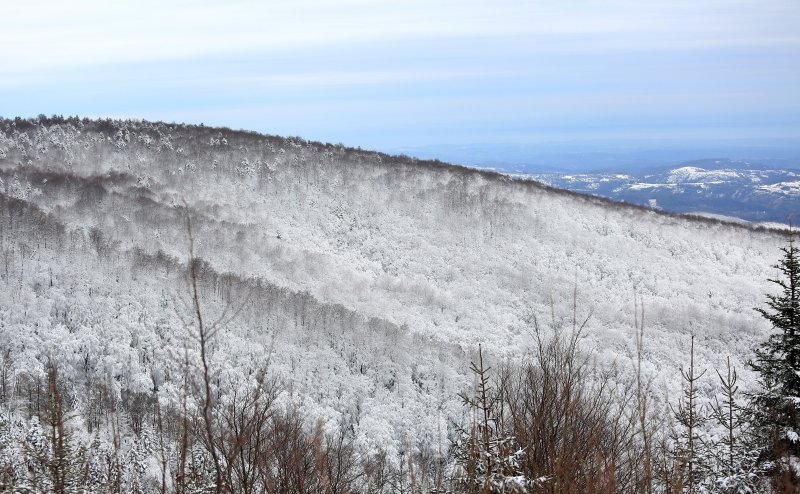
(734, 452)
(488, 460)
(690, 416)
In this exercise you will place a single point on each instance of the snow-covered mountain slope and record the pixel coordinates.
(366, 280)
(739, 189)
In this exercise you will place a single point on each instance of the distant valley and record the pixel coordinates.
(720, 188)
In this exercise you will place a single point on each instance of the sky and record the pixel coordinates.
(436, 77)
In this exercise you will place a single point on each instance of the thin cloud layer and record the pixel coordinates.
(486, 68)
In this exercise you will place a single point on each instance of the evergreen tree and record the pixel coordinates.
(735, 452)
(778, 361)
(690, 416)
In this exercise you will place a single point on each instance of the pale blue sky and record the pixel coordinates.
(416, 74)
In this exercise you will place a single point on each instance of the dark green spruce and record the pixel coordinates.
(777, 360)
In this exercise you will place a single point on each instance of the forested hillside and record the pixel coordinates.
(349, 287)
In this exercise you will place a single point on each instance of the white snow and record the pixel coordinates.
(786, 188)
(692, 174)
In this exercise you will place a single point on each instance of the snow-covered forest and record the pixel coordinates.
(162, 285)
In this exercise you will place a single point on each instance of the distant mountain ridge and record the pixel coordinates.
(750, 191)
(610, 155)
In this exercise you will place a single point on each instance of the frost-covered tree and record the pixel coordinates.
(53, 465)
